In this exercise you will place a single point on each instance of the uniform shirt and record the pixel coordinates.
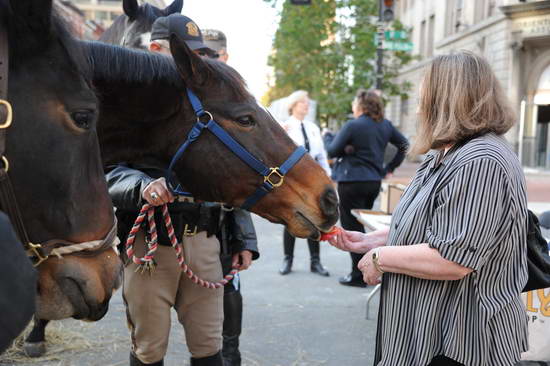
(293, 127)
(471, 206)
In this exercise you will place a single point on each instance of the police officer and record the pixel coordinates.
(150, 298)
(239, 226)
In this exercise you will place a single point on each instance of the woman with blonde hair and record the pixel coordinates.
(308, 135)
(453, 262)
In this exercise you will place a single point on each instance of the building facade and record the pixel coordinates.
(105, 12)
(513, 35)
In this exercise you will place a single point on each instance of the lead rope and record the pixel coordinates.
(147, 262)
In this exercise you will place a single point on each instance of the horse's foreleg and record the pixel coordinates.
(35, 344)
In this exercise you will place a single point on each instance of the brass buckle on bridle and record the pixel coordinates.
(36, 253)
(9, 117)
(277, 173)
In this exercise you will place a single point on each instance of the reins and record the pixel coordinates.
(8, 202)
(147, 262)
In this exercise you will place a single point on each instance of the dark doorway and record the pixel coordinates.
(542, 150)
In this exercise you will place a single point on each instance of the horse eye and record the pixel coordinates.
(246, 120)
(83, 119)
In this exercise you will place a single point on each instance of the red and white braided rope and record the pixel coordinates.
(147, 261)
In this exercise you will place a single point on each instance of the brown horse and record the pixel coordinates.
(145, 112)
(55, 165)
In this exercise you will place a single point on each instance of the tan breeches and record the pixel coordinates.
(149, 299)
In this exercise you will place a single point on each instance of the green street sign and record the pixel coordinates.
(395, 35)
(398, 46)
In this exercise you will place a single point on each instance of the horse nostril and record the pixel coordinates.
(329, 203)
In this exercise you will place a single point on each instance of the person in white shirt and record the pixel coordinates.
(308, 135)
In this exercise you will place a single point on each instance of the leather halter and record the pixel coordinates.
(273, 177)
(8, 202)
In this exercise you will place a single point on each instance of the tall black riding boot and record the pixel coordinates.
(232, 326)
(134, 361)
(215, 360)
(316, 266)
(288, 242)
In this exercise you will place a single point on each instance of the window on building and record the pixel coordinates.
(454, 16)
(422, 42)
(485, 9)
(431, 32)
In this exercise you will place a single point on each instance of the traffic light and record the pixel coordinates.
(300, 2)
(386, 10)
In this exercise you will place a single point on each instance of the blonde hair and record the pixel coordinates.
(460, 98)
(294, 98)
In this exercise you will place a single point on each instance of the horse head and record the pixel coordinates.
(133, 28)
(55, 165)
(146, 112)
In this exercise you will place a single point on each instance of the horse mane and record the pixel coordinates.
(111, 62)
(61, 31)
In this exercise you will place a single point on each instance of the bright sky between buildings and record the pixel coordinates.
(249, 26)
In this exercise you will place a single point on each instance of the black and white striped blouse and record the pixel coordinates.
(471, 206)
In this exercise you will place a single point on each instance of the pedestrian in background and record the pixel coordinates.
(360, 147)
(307, 134)
(453, 262)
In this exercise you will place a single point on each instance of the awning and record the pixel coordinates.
(542, 95)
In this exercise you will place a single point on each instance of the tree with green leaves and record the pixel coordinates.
(328, 48)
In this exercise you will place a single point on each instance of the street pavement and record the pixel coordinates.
(301, 319)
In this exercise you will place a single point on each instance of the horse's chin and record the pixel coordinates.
(302, 227)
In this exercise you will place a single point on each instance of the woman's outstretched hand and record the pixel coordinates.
(350, 241)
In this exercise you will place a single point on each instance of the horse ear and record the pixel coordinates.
(35, 14)
(131, 8)
(192, 68)
(173, 8)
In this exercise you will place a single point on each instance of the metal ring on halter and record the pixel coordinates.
(154, 195)
(6, 163)
(9, 117)
(202, 115)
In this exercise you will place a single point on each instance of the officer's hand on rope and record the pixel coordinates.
(242, 260)
(157, 193)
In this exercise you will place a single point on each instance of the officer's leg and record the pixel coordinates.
(148, 299)
(200, 310)
(232, 324)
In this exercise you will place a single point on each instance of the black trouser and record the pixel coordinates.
(356, 195)
(289, 240)
(444, 361)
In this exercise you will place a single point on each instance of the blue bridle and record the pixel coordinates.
(273, 177)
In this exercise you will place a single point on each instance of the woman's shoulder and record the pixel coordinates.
(489, 149)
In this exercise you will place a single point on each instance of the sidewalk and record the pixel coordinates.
(538, 185)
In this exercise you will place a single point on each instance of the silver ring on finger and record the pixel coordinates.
(154, 195)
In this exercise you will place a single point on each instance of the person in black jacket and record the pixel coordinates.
(149, 298)
(359, 147)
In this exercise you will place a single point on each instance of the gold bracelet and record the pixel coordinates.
(375, 259)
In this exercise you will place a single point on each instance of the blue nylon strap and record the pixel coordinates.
(292, 160)
(196, 103)
(264, 189)
(267, 187)
(237, 148)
